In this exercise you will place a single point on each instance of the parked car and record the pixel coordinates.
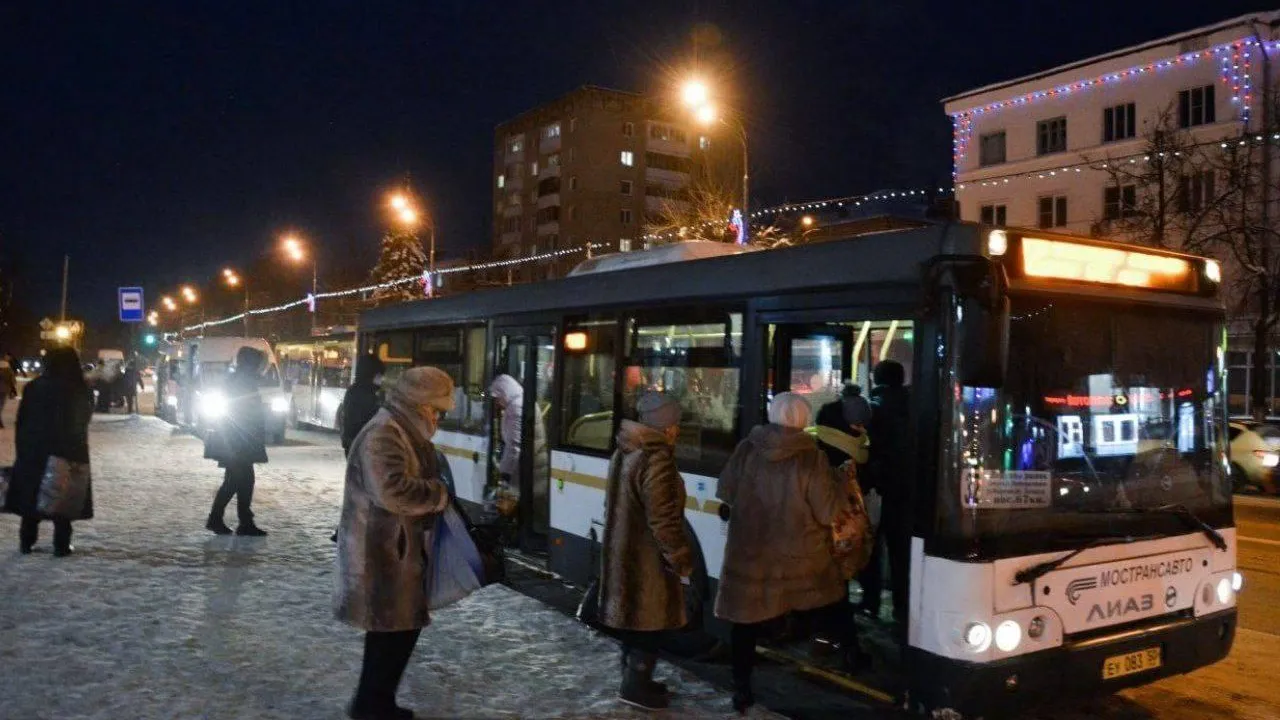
(1255, 455)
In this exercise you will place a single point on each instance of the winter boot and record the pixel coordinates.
(743, 698)
(637, 680)
(217, 526)
(64, 550)
(250, 530)
(654, 686)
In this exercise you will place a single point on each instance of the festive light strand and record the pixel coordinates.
(1235, 62)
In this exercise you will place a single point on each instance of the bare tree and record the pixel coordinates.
(698, 212)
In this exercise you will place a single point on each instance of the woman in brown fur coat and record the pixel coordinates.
(783, 498)
(647, 556)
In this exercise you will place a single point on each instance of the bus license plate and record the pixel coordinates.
(1129, 663)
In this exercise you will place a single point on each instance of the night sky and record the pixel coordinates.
(157, 145)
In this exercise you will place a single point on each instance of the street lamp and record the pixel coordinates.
(189, 294)
(697, 97)
(168, 303)
(294, 249)
(408, 215)
(233, 280)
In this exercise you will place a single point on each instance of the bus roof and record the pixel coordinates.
(884, 258)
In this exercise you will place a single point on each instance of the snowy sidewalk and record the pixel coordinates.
(154, 617)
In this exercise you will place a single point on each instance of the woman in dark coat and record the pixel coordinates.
(239, 441)
(53, 420)
(360, 402)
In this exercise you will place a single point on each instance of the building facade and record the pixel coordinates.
(590, 168)
(1060, 149)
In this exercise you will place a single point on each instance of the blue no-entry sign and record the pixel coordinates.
(131, 304)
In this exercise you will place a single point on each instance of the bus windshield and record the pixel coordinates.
(1109, 414)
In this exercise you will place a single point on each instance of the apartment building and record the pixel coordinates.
(590, 167)
(1041, 151)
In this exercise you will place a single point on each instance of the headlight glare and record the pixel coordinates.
(977, 636)
(1008, 635)
(213, 405)
(280, 405)
(1224, 591)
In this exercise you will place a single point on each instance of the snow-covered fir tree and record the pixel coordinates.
(401, 257)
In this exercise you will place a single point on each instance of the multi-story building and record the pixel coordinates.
(1047, 150)
(589, 168)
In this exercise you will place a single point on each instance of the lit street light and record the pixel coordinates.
(62, 332)
(409, 216)
(233, 280)
(807, 221)
(189, 294)
(697, 97)
(294, 249)
(169, 304)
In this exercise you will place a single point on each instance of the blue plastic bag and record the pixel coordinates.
(456, 568)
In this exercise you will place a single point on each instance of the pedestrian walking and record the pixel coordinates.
(53, 421)
(8, 385)
(132, 383)
(361, 400)
(238, 441)
(392, 494)
(647, 557)
(783, 499)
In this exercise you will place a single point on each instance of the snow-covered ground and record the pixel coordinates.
(154, 617)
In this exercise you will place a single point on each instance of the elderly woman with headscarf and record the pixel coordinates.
(508, 395)
(647, 554)
(778, 558)
(393, 493)
(53, 421)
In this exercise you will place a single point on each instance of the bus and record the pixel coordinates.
(317, 372)
(1071, 520)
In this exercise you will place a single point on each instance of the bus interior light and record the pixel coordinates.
(575, 341)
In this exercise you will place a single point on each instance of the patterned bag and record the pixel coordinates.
(64, 487)
(852, 535)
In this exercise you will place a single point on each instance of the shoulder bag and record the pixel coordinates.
(64, 487)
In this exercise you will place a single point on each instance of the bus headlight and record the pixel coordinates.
(1008, 636)
(1224, 590)
(1237, 582)
(213, 405)
(1213, 271)
(279, 405)
(977, 636)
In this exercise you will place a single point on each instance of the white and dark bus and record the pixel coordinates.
(317, 372)
(1072, 528)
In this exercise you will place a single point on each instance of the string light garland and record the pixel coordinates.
(1234, 58)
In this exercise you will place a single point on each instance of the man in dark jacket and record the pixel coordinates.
(647, 554)
(130, 386)
(889, 465)
(53, 420)
(362, 399)
(237, 443)
(850, 415)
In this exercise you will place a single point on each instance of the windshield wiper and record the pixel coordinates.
(1182, 512)
(1039, 570)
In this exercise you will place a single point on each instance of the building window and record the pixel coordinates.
(1051, 136)
(1053, 211)
(704, 142)
(1195, 192)
(628, 158)
(573, 182)
(502, 181)
(993, 215)
(1196, 106)
(1119, 202)
(624, 244)
(533, 168)
(991, 149)
(551, 131)
(549, 214)
(658, 131)
(573, 124)
(625, 216)
(672, 163)
(626, 187)
(549, 186)
(628, 129)
(571, 155)
(515, 144)
(1119, 123)
(553, 160)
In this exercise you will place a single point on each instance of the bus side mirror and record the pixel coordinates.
(983, 340)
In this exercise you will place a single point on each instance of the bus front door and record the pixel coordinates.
(521, 453)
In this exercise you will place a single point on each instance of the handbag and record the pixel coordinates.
(64, 487)
(852, 536)
(455, 566)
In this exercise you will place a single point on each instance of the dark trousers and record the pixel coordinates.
(893, 537)
(386, 654)
(641, 643)
(237, 481)
(835, 619)
(29, 532)
(130, 400)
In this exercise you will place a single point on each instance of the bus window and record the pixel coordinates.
(893, 340)
(590, 346)
(395, 350)
(471, 399)
(442, 348)
(695, 356)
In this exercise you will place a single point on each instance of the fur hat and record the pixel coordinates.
(424, 386)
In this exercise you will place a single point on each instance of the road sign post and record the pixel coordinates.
(131, 305)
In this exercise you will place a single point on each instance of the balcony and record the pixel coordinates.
(549, 228)
(547, 170)
(547, 145)
(510, 238)
(548, 200)
(669, 178)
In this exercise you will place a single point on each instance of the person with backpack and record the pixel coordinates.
(391, 497)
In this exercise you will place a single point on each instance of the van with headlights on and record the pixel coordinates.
(208, 362)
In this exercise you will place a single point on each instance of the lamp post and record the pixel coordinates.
(233, 280)
(697, 97)
(408, 215)
(295, 251)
